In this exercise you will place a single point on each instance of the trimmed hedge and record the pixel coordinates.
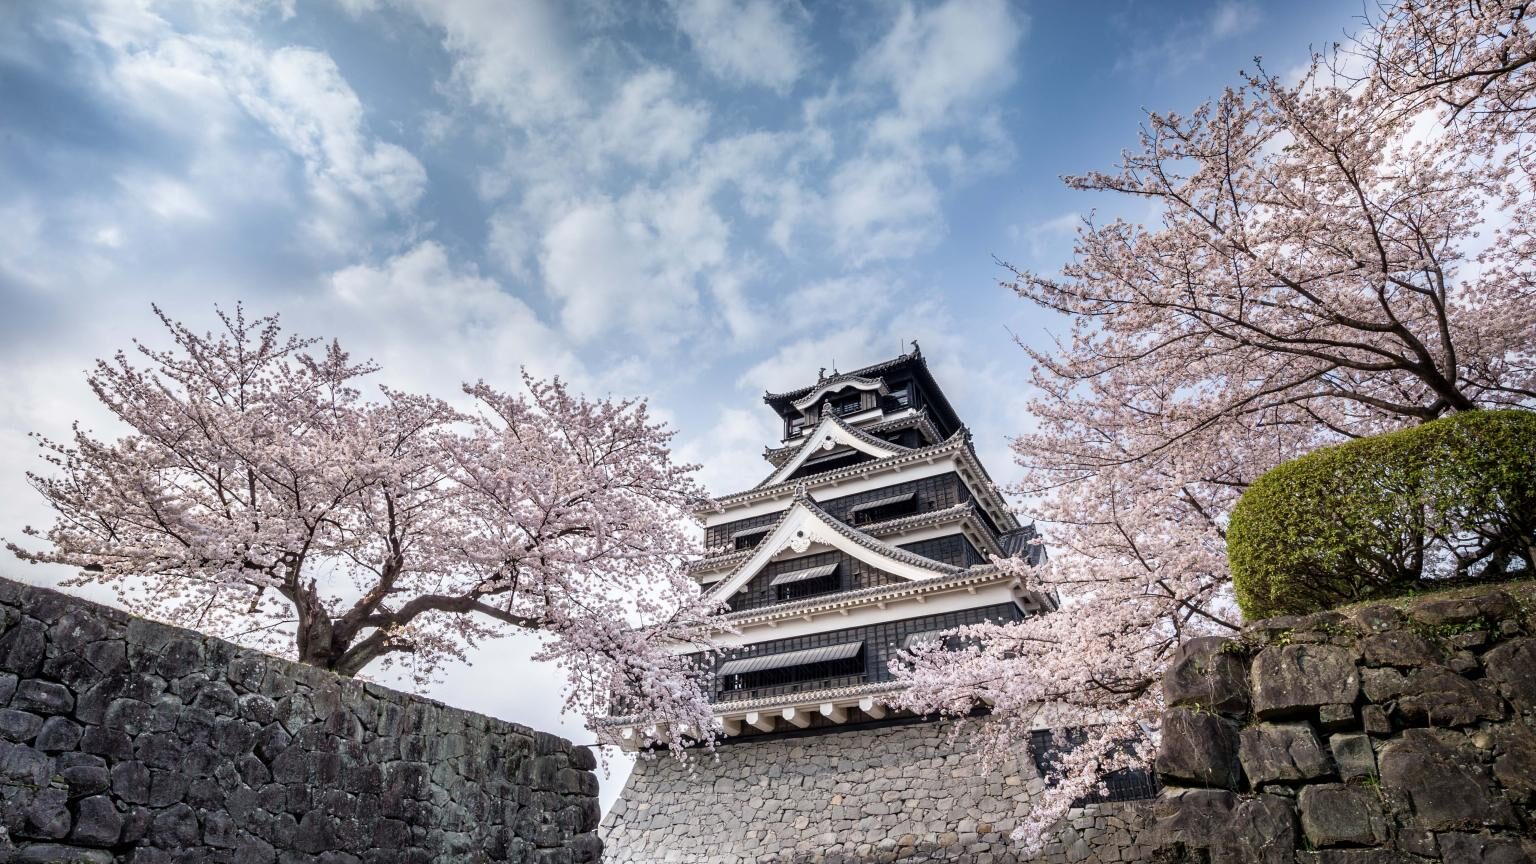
(1455, 497)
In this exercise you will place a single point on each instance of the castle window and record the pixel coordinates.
(1047, 747)
(749, 537)
(807, 582)
(791, 671)
(922, 637)
(880, 509)
(903, 397)
(846, 404)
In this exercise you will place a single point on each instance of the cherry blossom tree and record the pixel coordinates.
(257, 495)
(1474, 59)
(1319, 267)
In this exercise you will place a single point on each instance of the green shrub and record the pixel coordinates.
(1453, 498)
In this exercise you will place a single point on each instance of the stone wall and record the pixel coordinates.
(126, 740)
(1381, 735)
(886, 793)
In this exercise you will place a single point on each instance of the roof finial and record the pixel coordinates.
(915, 349)
(821, 375)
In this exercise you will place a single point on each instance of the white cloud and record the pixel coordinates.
(933, 70)
(730, 451)
(302, 98)
(737, 311)
(433, 324)
(1049, 236)
(1232, 19)
(883, 208)
(513, 57)
(204, 88)
(940, 59)
(753, 42)
(601, 264)
(635, 265)
(646, 125)
(829, 302)
(1185, 43)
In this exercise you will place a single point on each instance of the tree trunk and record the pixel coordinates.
(317, 636)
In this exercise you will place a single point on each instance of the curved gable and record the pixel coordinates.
(834, 384)
(804, 524)
(827, 435)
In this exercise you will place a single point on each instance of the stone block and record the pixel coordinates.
(1377, 618)
(1458, 846)
(1402, 648)
(1282, 753)
(1512, 668)
(48, 815)
(43, 697)
(1337, 814)
(21, 726)
(1332, 718)
(97, 823)
(1262, 830)
(1199, 749)
(48, 853)
(57, 735)
(1439, 697)
(1374, 719)
(1447, 786)
(1354, 756)
(23, 766)
(1514, 765)
(1294, 680)
(1205, 676)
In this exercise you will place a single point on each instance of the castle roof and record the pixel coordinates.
(958, 444)
(790, 402)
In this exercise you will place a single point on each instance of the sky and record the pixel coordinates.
(691, 201)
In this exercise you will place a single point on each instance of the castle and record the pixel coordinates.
(873, 531)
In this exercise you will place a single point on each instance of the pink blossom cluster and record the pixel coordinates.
(1332, 258)
(257, 495)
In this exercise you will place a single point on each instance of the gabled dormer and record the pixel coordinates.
(831, 445)
(807, 545)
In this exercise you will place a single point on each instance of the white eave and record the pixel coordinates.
(957, 445)
(834, 384)
(829, 434)
(881, 595)
(962, 515)
(906, 418)
(803, 524)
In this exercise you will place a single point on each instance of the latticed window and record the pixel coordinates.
(883, 508)
(878, 643)
(749, 537)
(805, 582)
(1046, 748)
(825, 666)
(846, 404)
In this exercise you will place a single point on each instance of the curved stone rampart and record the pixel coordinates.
(124, 740)
(1388, 734)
